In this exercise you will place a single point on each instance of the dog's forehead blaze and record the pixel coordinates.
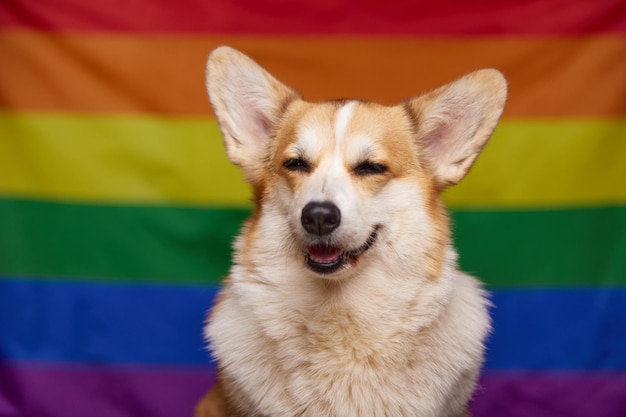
(381, 133)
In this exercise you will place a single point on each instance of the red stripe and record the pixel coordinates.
(400, 17)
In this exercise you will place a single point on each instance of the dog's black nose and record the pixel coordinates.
(320, 218)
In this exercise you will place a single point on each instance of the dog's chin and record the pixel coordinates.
(326, 260)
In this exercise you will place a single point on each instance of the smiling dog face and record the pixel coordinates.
(348, 177)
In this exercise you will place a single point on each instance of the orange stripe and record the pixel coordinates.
(548, 77)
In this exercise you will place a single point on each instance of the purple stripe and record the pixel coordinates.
(99, 392)
(549, 394)
(78, 391)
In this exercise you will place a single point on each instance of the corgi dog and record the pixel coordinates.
(344, 298)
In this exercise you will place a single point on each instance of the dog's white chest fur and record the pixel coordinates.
(381, 354)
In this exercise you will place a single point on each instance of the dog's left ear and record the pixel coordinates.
(455, 121)
(248, 102)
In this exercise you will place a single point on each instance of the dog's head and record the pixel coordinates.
(346, 176)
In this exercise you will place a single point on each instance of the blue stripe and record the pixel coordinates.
(42, 320)
(103, 323)
(559, 329)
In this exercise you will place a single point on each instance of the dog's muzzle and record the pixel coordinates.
(320, 219)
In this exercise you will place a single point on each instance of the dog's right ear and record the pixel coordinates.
(248, 102)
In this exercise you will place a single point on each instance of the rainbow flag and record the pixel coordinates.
(118, 206)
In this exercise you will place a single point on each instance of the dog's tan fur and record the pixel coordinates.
(398, 330)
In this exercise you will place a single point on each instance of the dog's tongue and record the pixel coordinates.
(324, 254)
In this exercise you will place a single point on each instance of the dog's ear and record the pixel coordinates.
(455, 121)
(248, 102)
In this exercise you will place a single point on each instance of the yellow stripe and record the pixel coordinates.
(548, 163)
(117, 159)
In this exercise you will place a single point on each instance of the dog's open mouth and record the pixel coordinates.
(325, 259)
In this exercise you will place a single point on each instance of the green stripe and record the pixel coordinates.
(582, 247)
(117, 243)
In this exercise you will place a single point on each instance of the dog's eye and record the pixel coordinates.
(369, 168)
(297, 164)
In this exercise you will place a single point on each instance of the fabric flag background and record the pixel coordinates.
(118, 206)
